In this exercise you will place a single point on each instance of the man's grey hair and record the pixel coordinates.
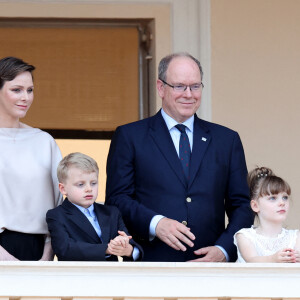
(165, 61)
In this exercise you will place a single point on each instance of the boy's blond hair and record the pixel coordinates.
(76, 160)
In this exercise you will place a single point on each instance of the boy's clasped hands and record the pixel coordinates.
(120, 246)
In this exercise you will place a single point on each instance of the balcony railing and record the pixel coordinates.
(144, 280)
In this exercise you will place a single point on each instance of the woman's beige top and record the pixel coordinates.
(28, 180)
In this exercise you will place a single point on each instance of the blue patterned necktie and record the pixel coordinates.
(184, 150)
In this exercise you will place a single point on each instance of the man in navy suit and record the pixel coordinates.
(173, 186)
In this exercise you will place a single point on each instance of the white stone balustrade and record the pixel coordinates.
(144, 280)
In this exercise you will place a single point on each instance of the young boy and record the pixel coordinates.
(81, 229)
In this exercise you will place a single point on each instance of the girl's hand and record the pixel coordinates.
(286, 255)
(297, 255)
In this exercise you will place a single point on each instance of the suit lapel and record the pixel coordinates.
(162, 138)
(80, 220)
(104, 222)
(201, 140)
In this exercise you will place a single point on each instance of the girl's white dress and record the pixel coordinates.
(267, 245)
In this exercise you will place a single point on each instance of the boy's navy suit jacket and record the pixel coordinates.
(73, 237)
(145, 178)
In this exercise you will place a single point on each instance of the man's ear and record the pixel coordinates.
(160, 88)
(254, 205)
(62, 188)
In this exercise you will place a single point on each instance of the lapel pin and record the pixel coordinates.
(204, 139)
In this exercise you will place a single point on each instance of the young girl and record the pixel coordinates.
(269, 241)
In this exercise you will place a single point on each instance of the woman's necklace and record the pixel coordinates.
(13, 134)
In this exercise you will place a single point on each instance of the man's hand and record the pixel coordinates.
(211, 254)
(174, 234)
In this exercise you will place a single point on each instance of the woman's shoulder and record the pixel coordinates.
(45, 134)
(29, 131)
(35, 137)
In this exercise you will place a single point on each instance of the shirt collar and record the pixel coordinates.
(82, 209)
(170, 122)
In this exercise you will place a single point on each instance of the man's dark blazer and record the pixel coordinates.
(145, 178)
(74, 238)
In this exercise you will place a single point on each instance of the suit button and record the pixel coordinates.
(188, 199)
(184, 223)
